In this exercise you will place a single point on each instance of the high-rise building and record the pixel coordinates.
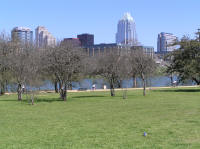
(43, 37)
(126, 31)
(22, 34)
(86, 39)
(165, 42)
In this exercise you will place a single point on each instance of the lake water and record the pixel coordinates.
(159, 81)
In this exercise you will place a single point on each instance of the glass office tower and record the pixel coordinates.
(126, 31)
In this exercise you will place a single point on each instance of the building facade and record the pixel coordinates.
(22, 34)
(73, 41)
(100, 49)
(43, 38)
(86, 39)
(148, 50)
(165, 42)
(126, 31)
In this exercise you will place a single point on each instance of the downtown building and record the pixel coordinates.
(103, 48)
(23, 35)
(82, 40)
(126, 31)
(75, 42)
(165, 42)
(43, 38)
(86, 39)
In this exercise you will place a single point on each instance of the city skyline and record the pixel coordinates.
(68, 19)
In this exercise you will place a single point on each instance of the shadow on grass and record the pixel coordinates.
(35, 100)
(92, 96)
(177, 90)
(8, 100)
(48, 100)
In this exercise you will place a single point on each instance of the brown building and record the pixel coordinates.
(74, 41)
(86, 39)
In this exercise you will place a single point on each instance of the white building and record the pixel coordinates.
(126, 31)
(43, 38)
(165, 42)
(22, 34)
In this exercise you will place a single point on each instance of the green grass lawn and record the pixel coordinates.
(94, 120)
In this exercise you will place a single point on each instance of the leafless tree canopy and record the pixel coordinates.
(117, 65)
(65, 62)
(142, 66)
(112, 66)
(24, 66)
(4, 69)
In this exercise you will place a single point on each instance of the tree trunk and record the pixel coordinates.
(112, 88)
(144, 85)
(19, 92)
(6, 86)
(125, 93)
(63, 92)
(112, 92)
(56, 86)
(196, 80)
(32, 97)
(2, 89)
(70, 86)
(120, 82)
(32, 100)
(171, 78)
(59, 85)
(60, 89)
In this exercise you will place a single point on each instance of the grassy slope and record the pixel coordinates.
(96, 121)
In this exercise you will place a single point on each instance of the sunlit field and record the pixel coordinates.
(94, 120)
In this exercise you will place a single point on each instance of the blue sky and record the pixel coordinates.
(67, 18)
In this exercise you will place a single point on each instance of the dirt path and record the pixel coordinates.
(118, 89)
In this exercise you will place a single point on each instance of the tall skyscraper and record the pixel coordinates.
(43, 37)
(86, 39)
(126, 31)
(22, 34)
(165, 42)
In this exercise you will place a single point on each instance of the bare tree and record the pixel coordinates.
(65, 62)
(142, 65)
(4, 69)
(34, 78)
(132, 68)
(110, 66)
(19, 65)
(123, 71)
